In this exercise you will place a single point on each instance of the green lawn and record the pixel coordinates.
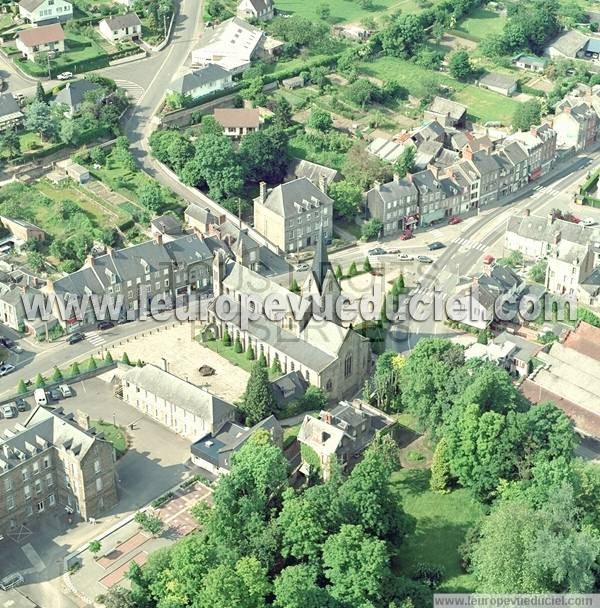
(408, 74)
(114, 434)
(442, 521)
(482, 23)
(342, 11)
(238, 359)
(484, 105)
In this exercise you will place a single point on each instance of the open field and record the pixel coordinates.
(442, 520)
(482, 23)
(342, 11)
(484, 105)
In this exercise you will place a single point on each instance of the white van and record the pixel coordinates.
(40, 396)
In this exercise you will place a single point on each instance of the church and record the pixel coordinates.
(327, 354)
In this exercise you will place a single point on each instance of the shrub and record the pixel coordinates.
(367, 265)
(40, 382)
(237, 346)
(152, 524)
(57, 375)
(21, 387)
(275, 366)
(125, 359)
(352, 271)
(226, 339)
(262, 360)
(250, 353)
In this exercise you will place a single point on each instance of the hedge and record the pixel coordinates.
(465, 35)
(589, 183)
(532, 91)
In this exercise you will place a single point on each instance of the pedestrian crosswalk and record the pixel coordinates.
(96, 338)
(540, 191)
(134, 91)
(470, 244)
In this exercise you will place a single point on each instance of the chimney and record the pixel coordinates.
(534, 130)
(551, 217)
(396, 178)
(527, 212)
(89, 260)
(434, 170)
(109, 250)
(326, 417)
(159, 238)
(450, 172)
(377, 185)
(467, 152)
(322, 183)
(262, 192)
(567, 109)
(82, 419)
(409, 177)
(165, 364)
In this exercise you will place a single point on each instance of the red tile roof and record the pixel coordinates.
(585, 340)
(36, 36)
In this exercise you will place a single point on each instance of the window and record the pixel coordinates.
(99, 484)
(8, 484)
(96, 466)
(51, 500)
(10, 502)
(36, 468)
(38, 486)
(25, 474)
(348, 366)
(27, 491)
(49, 480)
(40, 506)
(29, 510)
(46, 462)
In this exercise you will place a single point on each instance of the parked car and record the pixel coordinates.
(454, 220)
(435, 245)
(102, 325)
(377, 251)
(54, 394)
(12, 580)
(6, 368)
(76, 337)
(588, 221)
(40, 396)
(65, 390)
(65, 76)
(404, 257)
(22, 405)
(423, 259)
(302, 267)
(11, 345)
(9, 410)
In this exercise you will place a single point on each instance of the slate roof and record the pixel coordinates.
(393, 191)
(286, 198)
(127, 264)
(198, 78)
(261, 5)
(593, 45)
(9, 107)
(43, 34)
(75, 92)
(167, 224)
(514, 153)
(46, 428)
(31, 5)
(485, 163)
(569, 43)
(313, 171)
(173, 389)
(201, 214)
(289, 387)
(501, 81)
(119, 22)
(539, 228)
(446, 107)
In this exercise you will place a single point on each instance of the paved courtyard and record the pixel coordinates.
(127, 544)
(184, 355)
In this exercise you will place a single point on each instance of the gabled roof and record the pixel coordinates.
(44, 34)
(198, 78)
(75, 92)
(119, 22)
(238, 118)
(31, 5)
(173, 389)
(286, 199)
(313, 171)
(569, 43)
(167, 224)
(502, 81)
(260, 5)
(446, 107)
(9, 107)
(232, 38)
(395, 190)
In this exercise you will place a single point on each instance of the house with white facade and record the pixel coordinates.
(183, 407)
(261, 10)
(231, 44)
(41, 12)
(121, 27)
(43, 39)
(197, 83)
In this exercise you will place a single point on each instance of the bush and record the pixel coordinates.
(237, 346)
(152, 524)
(262, 360)
(352, 271)
(40, 381)
(429, 575)
(250, 353)
(226, 339)
(275, 366)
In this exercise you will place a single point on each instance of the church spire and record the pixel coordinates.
(321, 263)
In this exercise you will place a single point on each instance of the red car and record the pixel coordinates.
(454, 220)
(407, 234)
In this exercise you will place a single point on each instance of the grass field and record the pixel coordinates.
(442, 521)
(114, 434)
(484, 105)
(342, 11)
(482, 23)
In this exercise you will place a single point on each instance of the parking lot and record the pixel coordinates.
(154, 463)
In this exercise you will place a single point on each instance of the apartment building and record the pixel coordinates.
(54, 461)
(396, 204)
(290, 216)
(173, 268)
(576, 124)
